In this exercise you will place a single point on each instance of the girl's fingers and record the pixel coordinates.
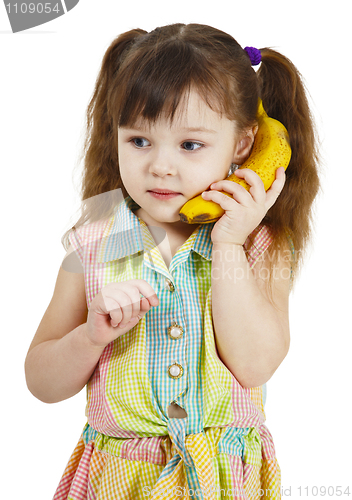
(116, 317)
(129, 312)
(237, 192)
(146, 290)
(256, 190)
(136, 314)
(126, 302)
(144, 305)
(276, 187)
(122, 305)
(225, 202)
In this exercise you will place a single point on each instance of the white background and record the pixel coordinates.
(47, 78)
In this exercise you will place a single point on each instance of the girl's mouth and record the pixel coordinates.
(163, 196)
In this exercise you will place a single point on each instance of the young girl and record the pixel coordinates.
(175, 328)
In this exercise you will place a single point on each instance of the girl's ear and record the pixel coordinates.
(243, 147)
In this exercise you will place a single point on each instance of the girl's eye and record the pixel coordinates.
(140, 142)
(191, 145)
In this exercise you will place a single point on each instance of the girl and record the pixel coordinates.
(176, 328)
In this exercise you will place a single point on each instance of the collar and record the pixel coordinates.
(123, 235)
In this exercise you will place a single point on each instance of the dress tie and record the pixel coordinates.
(192, 451)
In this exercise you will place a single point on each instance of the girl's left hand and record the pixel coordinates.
(245, 209)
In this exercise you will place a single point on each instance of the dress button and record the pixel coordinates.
(169, 285)
(175, 370)
(175, 331)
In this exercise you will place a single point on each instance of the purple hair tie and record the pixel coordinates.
(254, 55)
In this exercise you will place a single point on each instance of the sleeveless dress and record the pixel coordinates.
(130, 449)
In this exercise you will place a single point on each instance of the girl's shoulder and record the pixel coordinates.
(85, 240)
(86, 234)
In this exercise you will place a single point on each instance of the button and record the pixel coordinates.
(175, 331)
(169, 285)
(175, 370)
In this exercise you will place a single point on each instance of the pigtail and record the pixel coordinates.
(100, 152)
(101, 173)
(284, 98)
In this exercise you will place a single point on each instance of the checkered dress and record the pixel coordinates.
(130, 448)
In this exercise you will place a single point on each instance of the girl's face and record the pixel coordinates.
(186, 158)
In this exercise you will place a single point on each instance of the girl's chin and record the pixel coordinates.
(158, 216)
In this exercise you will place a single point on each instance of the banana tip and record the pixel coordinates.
(198, 219)
(183, 217)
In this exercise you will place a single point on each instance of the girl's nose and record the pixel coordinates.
(162, 163)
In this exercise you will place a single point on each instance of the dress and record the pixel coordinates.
(130, 449)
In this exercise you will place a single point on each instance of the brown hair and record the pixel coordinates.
(146, 74)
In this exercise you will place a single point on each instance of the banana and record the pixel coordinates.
(271, 150)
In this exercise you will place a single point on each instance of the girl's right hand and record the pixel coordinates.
(117, 308)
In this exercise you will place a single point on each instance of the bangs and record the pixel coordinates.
(152, 84)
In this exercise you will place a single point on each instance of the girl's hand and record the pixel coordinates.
(117, 308)
(246, 209)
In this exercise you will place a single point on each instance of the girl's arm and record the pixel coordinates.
(70, 340)
(251, 331)
(60, 359)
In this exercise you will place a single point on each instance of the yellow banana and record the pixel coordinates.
(271, 150)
